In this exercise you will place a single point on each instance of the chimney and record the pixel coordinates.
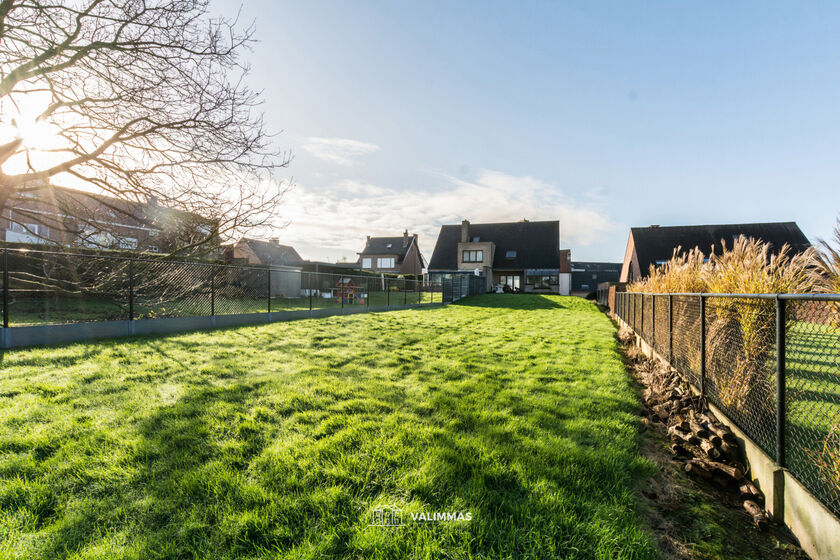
(274, 241)
(465, 231)
(405, 238)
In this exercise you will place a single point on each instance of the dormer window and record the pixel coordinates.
(510, 254)
(389, 245)
(475, 240)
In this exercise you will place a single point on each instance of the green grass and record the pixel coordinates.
(277, 441)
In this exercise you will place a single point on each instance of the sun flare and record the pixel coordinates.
(40, 138)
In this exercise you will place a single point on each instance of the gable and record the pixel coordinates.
(653, 244)
(531, 244)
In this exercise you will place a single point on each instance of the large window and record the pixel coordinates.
(542, 282)
(510, 281)
(473, 256)
(385, 262)
(366, 262)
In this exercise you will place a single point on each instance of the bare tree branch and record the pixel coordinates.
(146, 100)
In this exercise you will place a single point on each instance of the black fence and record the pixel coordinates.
(770, 362)
(48, 287)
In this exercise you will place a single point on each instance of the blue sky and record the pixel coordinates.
(604, 116)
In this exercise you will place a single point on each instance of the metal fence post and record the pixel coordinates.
(131, 289)
(670, 329)
(405, 293)
(702, 345)
(781, 321)
(212, 289)
(6, 288)
(268, 287)
(309, 275)
(387, 293)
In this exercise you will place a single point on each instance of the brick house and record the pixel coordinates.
(51, 215)
(256, 251)
(525, 256)
(655, 245)
(393, 255)
(283, 260)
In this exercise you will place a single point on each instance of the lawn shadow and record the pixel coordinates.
(511, 301)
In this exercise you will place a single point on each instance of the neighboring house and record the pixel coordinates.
(394, 255)
(587, 275)
(51, 215)
(525, 256)
(655, 245)
(285, 264)
(256, 251)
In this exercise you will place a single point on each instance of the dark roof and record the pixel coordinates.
(595, 266)
(590, 274)
(658, 243)
(537, 245)
(274, 253)
(388, 246)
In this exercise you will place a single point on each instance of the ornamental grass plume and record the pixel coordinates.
(827, 280)
(827, 274)
(684, 272)
(741, 331)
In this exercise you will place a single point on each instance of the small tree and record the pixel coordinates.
(141, 100)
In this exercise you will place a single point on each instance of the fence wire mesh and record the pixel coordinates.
(742, 362)
(48, 287)
(661, 327)
(812, 397)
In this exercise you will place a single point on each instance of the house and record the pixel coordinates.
(654, 245)
(393, 255)
(285, 263)
(52, 215)
(587, 275)
(524, 256)
(267, 253)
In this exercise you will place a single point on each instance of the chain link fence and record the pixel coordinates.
(770, 363)
(48, 287)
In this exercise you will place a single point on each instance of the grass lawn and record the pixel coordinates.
(278, 441)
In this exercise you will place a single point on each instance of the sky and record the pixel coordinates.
(410, 115)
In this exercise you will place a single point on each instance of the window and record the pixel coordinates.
(510, 281)
(29, 229)
(542, 282)
(385, 262)
(473, 256)
(475, 239)
(510, 255)
(366, 262)
(127, 243)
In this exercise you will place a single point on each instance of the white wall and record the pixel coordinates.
(565, 283)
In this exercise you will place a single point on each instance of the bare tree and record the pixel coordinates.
(142, 100)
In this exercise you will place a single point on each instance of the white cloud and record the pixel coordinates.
(334, 220)
(341, 151)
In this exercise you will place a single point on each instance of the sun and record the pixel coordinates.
(40, 138)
